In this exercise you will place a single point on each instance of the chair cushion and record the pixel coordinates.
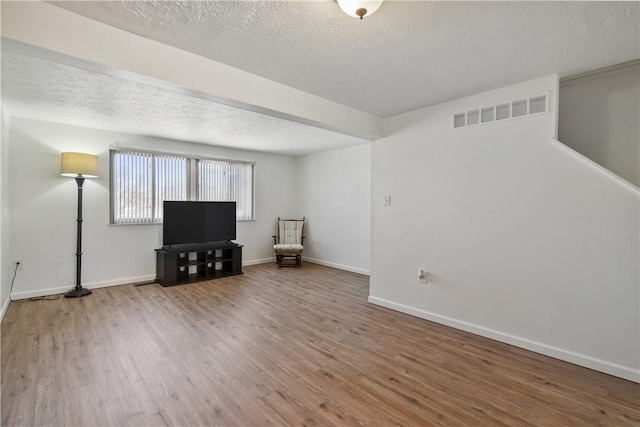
(290, 231)
(288, 247)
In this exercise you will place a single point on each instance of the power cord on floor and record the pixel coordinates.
(15, 273)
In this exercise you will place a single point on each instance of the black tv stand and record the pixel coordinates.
(179, 264)
(194, 247)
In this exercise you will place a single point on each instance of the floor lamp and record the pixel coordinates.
(79, 166)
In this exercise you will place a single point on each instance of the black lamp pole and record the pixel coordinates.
(78, 291)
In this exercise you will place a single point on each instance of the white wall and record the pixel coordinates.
(5, 261)
(334, 193)
(523, 241)
(43, 208)
(599, 119)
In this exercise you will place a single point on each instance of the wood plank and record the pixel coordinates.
(279, 347)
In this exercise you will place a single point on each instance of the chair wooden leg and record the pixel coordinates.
(289, 260)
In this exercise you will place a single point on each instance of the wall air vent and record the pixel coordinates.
(504, 111)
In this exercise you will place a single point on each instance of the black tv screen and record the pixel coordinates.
(198, 222)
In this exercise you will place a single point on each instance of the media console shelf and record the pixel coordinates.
(194, 263)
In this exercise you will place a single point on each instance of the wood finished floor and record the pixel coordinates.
(279, 347)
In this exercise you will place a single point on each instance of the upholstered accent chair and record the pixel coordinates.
(288, 243)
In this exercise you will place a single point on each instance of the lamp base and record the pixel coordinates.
(77, 292)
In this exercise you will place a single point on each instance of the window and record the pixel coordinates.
(141, 181)
(220, 180)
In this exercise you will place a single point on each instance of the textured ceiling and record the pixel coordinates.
(407, 55)
(44, 90)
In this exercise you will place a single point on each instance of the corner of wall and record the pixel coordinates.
(556, 106)
(333, 185)
(4, 213)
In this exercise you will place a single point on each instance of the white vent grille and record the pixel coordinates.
(473, 117)
(504, 111)
(487, 114)
(519, 108)
(537, 105)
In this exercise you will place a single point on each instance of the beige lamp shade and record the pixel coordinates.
(79, 164)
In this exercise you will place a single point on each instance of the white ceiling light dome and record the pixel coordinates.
(359, 8)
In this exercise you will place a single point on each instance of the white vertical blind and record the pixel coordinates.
(141, 182)
(131, 189)
(222, 181)
(170, 181)
(213, 182)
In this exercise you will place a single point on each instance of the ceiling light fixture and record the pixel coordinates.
(359, 8)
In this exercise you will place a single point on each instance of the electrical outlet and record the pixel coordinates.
(18, 261)
(422, 275)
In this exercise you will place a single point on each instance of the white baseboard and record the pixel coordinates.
(93, 285)
(3, 311)
(150, 277)
(557, 353)
(107, 283)
(338, 266)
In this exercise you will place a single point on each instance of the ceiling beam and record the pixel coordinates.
(57, 34)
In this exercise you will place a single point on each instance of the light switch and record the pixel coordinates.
(387, 200)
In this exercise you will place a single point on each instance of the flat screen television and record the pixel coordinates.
(198, 222)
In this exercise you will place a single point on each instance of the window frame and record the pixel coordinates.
(191, 179)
